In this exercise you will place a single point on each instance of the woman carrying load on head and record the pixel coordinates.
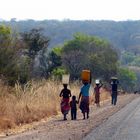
(114, 84)
(84, 95)
(66, 94)
(97, 92)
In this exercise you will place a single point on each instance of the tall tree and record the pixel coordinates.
(89, 52)
(36, 42)
(10, 51)
(50, 63)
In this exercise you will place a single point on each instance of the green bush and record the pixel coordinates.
(58, 72)
(127, 79)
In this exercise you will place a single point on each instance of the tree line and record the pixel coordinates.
(25, 56)
(122, 34)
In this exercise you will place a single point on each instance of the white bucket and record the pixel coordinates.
(97, 81)
(65, 79)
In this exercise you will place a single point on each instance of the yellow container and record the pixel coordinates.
(86, 75)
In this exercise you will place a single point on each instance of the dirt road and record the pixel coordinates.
(123, 125)
(56, 129)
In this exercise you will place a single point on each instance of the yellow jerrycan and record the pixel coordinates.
(86, 75)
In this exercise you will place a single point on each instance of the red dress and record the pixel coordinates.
(65, 106)
(97, 94)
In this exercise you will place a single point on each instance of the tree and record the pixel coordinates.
(58, 72)
(74, 63)
(5, 36)
(47, 62)
(10, 56)
(36, 42)
(7, 53)
(55, 58)
(127, 79)
(89, 52)
(127, 58)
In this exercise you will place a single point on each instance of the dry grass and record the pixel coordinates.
(32, 102)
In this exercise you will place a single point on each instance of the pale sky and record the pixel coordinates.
(70, 9)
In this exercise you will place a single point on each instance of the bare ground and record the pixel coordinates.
(57, 129)
(123, 125)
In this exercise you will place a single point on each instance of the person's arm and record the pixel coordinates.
(101, 85)
(70, 94)
(80, 94)
(61, 93)
(90, 78)
(70, 103)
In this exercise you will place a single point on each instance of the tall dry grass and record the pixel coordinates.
(33, 101)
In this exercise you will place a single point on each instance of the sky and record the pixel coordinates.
(118, 10)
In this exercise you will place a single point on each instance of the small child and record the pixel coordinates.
(73, 106)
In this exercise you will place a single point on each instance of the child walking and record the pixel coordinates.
(73, 105)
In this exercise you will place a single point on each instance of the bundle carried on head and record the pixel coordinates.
(114, 80)
(86, 76)
(65, 79)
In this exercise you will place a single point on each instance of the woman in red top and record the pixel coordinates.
(97, 93)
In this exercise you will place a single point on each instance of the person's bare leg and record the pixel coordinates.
(65, 118)
(87, 115)
(84, 116)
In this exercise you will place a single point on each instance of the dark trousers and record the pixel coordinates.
(114, 97)
(73, 114)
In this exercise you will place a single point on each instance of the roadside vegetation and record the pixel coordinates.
(30, 73)
(33, 102)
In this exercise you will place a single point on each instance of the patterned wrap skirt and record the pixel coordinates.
(84, 104)
(97, 98)
(65, 106)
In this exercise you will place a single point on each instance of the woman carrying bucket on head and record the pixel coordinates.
(65, 94)
(84, 93)
(97, 92)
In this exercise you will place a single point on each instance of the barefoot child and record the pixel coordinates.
(73, 105)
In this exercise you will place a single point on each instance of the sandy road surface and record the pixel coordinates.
(123, 125)
(56, 129)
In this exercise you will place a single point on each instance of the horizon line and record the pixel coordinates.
(66, 19)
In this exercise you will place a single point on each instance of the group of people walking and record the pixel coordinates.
(83, 99)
